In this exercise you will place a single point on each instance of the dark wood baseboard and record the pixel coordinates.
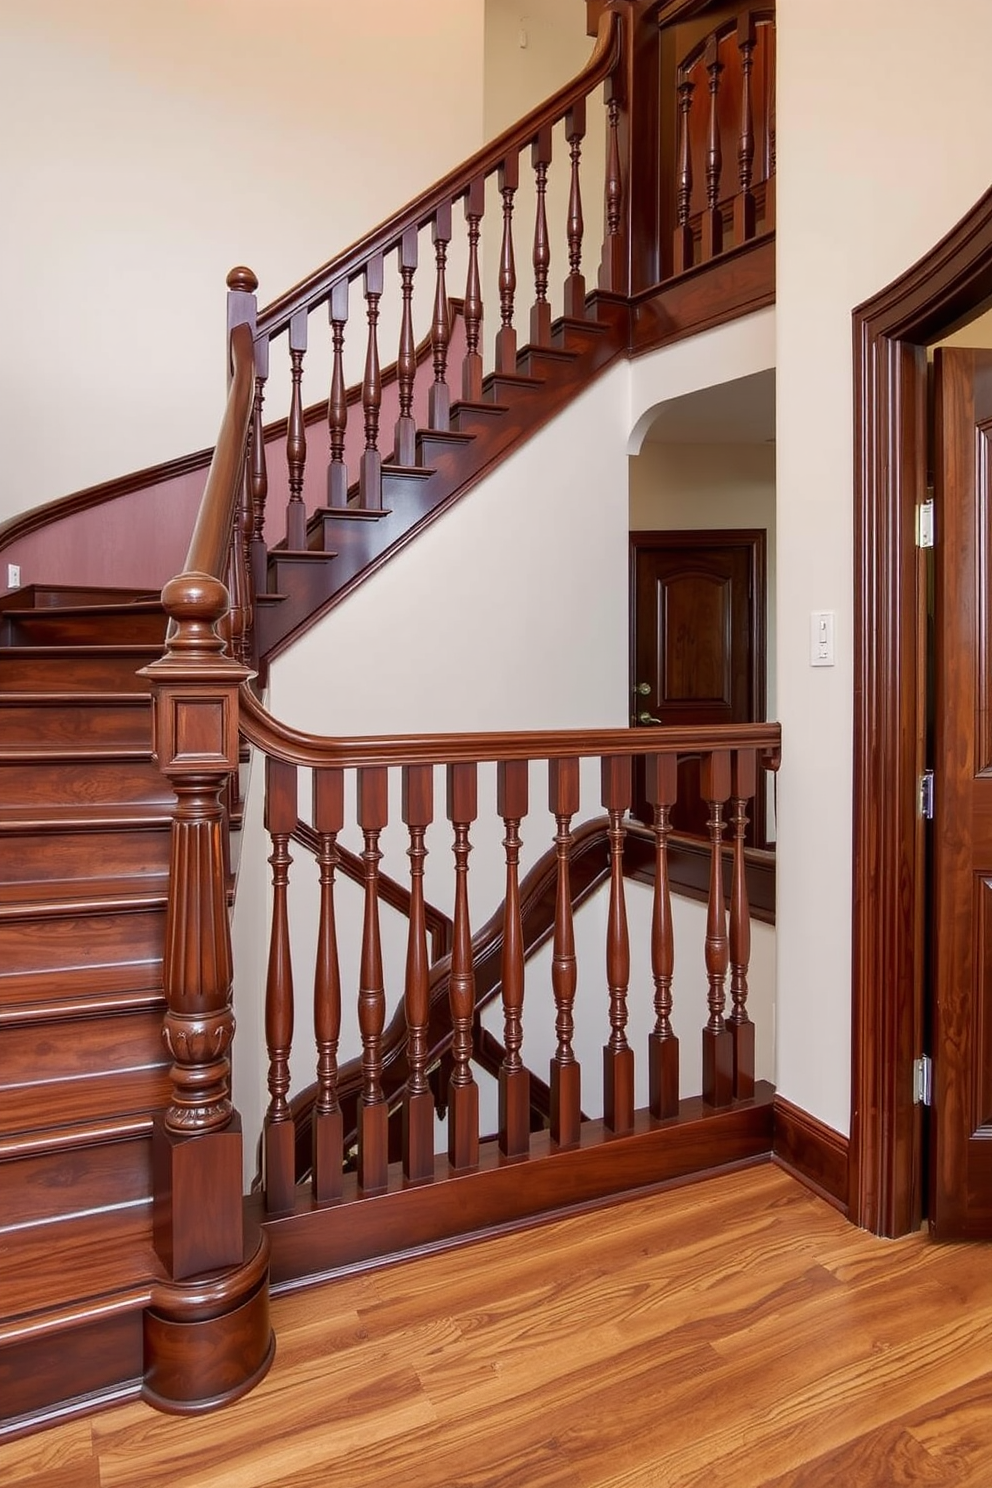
(811, 1151)
(313, 1243)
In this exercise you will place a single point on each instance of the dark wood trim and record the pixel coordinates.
(405, 1220)
(737, 283)
(952, 282)
(812, 1152)
(689, 867)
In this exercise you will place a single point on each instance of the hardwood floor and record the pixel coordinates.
(738, 1332)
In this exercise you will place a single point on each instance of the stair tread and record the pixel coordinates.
(70, 1009)
(61, 612)
(83, 1134)
(61, 895)
(53, 754)
(81, 982)
(67, 699)
(107, 1256)
(68, 817)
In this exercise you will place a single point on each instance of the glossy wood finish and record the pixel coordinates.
(754, 1293)
(890, 335)
(960, 1200)
(814, 1153)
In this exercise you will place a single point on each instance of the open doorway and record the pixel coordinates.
(702, 576)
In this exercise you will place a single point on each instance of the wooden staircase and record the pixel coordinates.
(84, 852)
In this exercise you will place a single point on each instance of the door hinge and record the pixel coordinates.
(922, 1080)
(924, 524)
(926, 795)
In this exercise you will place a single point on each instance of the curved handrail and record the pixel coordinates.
(297, 748)
(210, 542)
(317, 286)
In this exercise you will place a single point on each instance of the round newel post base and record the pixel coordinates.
(209, 1341)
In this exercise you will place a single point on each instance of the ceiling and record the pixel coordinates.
(738, 412)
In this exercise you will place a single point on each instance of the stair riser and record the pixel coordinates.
(90, 1098)
(88, 783)
(38, 857)
(60, 1184)
(50, 628)
(95, 726)
(78, 1047)
(21, 671)
(74, 941)
(99, 1356)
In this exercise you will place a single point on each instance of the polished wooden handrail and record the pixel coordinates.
(297, 748)
(209, 544)
(317, 286)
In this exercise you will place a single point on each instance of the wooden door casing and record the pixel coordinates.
(961, 1137)
(697, 640)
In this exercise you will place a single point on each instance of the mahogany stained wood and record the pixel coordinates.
(890, 336)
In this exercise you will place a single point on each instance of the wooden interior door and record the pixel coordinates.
(961, 1006)
(697, 646)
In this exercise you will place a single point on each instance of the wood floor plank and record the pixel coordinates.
(734, 1334)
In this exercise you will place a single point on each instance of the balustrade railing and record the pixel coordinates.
(343, 470)
(298, 766)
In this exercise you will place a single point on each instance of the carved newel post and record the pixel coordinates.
(197, 1139)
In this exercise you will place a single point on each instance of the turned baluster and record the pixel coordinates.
(328, 1125)
(563, 802)
(337, 402)
(406, 361)
(744, 781)
(514, 1079)
(259, 471)
(618, 1056)
(439, 398)
(611, 272)
(540, 314)
(280, 1134)
(239, 576)
(373, 1113)
(744, 200)
(575, 284)
(682, 248)
(463, 1093)
(370, 468)
(296, 437)
(418, 1109)
(718, 1053)
(712, 224)
(769, 150)
(506, 336)
(475, 205)
(197, 1149)
(661, 788)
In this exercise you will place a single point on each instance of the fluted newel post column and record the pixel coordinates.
(514, 1078)
(463, 1093)
(566, 1075)
(744, 783)
(197, 1140)
(618, 1056)
(718, 1053)
(418, 1108)
(661, 788)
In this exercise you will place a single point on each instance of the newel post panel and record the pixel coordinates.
(197, 1139)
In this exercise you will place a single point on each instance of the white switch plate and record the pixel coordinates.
(821, 638)
(13, 576)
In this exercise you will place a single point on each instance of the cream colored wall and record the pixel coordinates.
(877, 159)
(687, 486)
(148, 148)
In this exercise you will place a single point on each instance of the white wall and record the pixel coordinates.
(877, 159)
(148, 148)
